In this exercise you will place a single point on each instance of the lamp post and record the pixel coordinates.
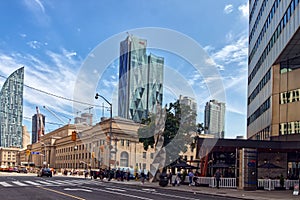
(75, 155)
(45, 158)
(110, 126)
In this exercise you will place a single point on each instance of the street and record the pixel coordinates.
(31, 187)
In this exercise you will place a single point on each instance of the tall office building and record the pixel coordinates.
(273, 69)
(11, 110)
(191, 103)
(38, 124)
(140, 80)
(214, 118)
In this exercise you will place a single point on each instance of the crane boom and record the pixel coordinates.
(55, 115)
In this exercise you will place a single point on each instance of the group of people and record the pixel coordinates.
(177, 179)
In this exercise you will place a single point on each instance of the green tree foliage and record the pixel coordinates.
(179, 126)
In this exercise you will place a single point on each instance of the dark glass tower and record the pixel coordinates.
(140, 80)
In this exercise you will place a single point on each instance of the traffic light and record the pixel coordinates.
(28, 152)
(74, 135)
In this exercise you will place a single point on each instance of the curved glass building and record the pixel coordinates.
(11, 110)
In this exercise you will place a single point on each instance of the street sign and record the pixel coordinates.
(35, 152)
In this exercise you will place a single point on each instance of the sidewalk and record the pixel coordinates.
(234, 193)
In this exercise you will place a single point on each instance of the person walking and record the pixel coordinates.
(218, 177)
(191, 176)
(170, 177)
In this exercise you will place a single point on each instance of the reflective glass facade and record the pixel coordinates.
(11, 107)
(140, 80)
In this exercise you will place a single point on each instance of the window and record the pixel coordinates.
(152, 155)
(145, 155)
(124, 159)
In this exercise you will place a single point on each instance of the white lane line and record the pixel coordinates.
(78, 189)
(19, 183)
(54, 182)
(117, 193)
(45, 183)
(115, 189)
(32, 183)
(5, 184)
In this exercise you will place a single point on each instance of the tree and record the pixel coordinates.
(179, 127)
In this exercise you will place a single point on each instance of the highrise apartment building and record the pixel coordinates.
(191, 103)
(214, 118)
(140, 80)
(273, 69)
(11, 107)
(38, 127)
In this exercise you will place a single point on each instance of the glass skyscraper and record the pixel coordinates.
(11, 110)
(140, 80)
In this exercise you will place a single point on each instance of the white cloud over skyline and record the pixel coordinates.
(228, 9)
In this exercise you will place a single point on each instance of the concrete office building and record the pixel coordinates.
(214, 118)
(273, 69)
(11, 106)
(140, 80)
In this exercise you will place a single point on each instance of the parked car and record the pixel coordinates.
(22, 170)
(45, 172)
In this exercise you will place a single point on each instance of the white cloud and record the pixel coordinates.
(23, 35)
(228, 9)
(35, 5)
(244, 9)
(236, 52)
(34, 44)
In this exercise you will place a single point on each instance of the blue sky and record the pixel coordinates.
(52, 39)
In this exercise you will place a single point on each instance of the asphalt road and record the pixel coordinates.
(31, 187)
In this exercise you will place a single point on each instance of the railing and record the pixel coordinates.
(271, 184)
(211, 182)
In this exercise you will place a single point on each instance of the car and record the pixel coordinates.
(22, 170)
(45, 172)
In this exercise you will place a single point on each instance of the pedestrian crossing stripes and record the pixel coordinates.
(43, 182)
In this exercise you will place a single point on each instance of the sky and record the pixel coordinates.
(54, 41)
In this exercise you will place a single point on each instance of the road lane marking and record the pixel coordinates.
(55, 182)
(62, 193)
(115, 189)
(45, 183)
(77, 189)
(32, 183)
(5, 184)
(117, 193)
(19, 183)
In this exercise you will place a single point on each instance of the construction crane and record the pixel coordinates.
(55, 115)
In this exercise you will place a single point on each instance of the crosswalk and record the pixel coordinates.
(44, 182)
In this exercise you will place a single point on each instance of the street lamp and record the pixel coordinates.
(45, 158)
(110, 124)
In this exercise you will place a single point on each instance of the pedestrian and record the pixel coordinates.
(191, 176)
(170, 177)
(85, 173)
(142, 177)
(177, 179)
(218, 177)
